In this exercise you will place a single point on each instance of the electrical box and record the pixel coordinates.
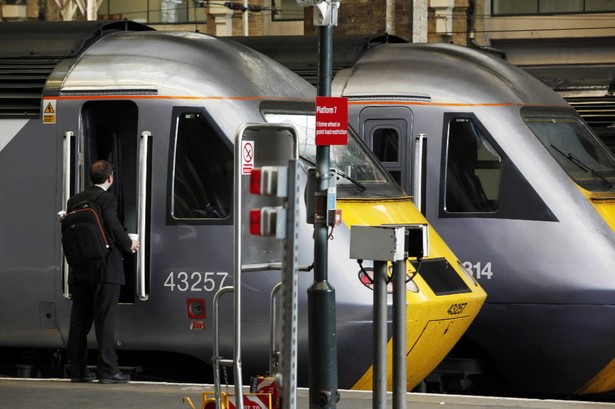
(416, 241)
(388, 242)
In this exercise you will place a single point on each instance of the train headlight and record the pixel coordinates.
(366, 276)
(467, 273)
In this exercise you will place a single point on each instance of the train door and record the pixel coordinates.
(386, 131)
(109, 130)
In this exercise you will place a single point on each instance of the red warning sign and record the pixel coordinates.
(331, 121)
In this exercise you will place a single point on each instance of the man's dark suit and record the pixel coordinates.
(95, 288)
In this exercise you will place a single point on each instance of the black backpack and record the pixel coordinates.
(83, 233)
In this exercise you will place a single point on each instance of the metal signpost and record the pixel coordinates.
(389, 244)
(321, 295)
(269, 151)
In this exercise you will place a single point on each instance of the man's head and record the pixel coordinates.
(100, 172)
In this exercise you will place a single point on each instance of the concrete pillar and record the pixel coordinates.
(443, 10)
(419, 21)
(223, 18)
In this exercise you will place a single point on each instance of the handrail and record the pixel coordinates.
(216, 358)
(418, 170)
(273, 354)
(68, 135)
(142, 215)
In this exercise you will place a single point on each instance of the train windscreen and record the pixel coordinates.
(578, 151)
(358, 172)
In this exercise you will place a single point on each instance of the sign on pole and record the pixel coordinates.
(331, 121)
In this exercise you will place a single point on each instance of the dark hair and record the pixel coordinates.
(100, 171)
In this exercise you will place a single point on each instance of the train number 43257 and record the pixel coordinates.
(195, 280)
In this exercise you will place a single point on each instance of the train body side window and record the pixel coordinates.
(202, 170)
(473, 170)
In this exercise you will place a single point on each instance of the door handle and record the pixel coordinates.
(142, 215)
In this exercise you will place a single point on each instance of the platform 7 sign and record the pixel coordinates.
(331, 121)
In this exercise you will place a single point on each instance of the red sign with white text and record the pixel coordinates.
(331, 121)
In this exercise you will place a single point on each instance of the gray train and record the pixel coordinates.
(164, 108)
(515, 182)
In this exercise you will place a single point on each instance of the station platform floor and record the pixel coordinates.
(20, 393)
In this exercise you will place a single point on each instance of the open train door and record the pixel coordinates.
(109, 130)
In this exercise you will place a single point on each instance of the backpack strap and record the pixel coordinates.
(94, 198)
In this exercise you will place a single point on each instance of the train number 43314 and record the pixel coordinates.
(479, 270)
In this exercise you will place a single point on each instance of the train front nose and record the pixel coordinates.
(441, 300)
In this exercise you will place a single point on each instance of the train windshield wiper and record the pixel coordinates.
(581, 165)
(339, 173)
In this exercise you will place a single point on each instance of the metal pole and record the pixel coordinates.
(290, 280)
(321, 295)
(237, 265)
(399, 334)
(379, 379)
(246, 19)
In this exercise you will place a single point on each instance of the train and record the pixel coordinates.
(516, 183)
(165, 108)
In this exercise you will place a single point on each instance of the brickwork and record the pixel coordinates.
(367, 17)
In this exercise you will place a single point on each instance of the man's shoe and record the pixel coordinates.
(117, 378)
(86, 377)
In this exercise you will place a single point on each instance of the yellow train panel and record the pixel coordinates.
(434, 323)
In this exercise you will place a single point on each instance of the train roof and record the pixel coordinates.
(47, 59)
(180, 64)
(443, 73)
(582, 70)
(31, 50)
(31, 40)
(570, 65)
(300, 53)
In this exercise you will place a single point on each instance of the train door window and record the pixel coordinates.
(386, 137)
(385, 145)
(202, 170)
(473, 169)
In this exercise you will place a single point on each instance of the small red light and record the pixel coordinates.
(255, 181)
(195, 325)
(255, 222)
(195, 308)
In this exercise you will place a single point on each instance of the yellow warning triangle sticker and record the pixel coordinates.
(49, 109)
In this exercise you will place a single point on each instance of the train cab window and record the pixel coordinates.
(202, 178)
(473, 170)
(385, 145)
(358, 173)
(577, 150)
(478, 178)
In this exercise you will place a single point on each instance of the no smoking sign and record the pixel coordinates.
(247, 157)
